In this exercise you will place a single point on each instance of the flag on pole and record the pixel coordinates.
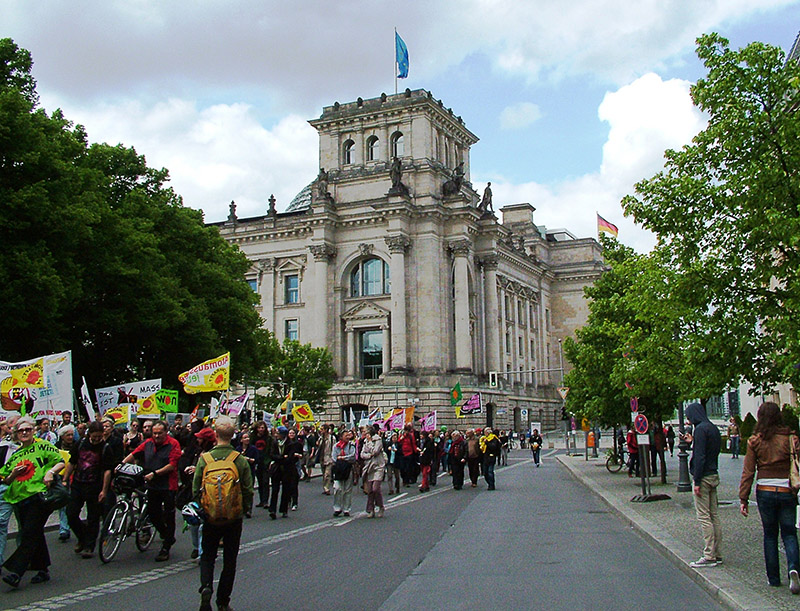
(473, 405)
(236, 405)
(401, 56)
(455, 394)
(208, 376)
(604, 225)
(375, 415)
(396, 422)
(214, 407)
(285, 405)
(303, 413)
(429, 422)
(87, 401)
(352, 417)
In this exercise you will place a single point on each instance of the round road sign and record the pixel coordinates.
(640, 424)
(634, 404)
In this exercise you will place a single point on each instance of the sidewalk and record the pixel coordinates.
(671, 525)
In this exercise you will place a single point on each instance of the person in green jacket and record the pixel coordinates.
(27, 472)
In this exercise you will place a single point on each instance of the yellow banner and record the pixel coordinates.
(303, 413)
(208, 376)
(119, 413)
(148, 406)
(30, 376)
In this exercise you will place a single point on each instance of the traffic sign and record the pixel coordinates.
(634, 404)
(563, 390)
(585, 424)
(640, 424)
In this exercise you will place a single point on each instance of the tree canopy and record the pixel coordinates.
(101, 257)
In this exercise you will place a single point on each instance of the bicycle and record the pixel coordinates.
(128, 516)
(615, 460)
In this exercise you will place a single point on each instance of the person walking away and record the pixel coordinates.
(225, 469)
(490, 449)
(733, 436)
(457, 459)
(536, 446)
(703, 466)
(427, 450)
(633, 452)
(89, 473)
(29, 471)
(262, 441)
(769, 454)
(659, 451)
(473, 457)
(159, 456)
(374, 469)
(344, 455)
(670, 433)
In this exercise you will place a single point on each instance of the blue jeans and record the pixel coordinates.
(735, 447)
(488, 472)
(6, 509)
(778, 511)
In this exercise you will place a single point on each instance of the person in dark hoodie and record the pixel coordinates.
(703, 467)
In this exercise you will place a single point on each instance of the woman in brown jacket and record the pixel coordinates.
(769, 452)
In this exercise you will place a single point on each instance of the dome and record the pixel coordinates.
(301, 201)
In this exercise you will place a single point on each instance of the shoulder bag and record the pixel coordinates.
(56, 496)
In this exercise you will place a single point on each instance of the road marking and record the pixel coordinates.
(125, 583)
(397, 498)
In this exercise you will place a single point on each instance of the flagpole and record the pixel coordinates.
(394, 65)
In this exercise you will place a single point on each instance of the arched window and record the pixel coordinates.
(373, 149)
(348, 151)
(397, 144)
(370, 277)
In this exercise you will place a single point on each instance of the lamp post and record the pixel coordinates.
(563, 400)
(684, 485)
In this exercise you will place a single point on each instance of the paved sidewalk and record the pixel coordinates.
(671, 525)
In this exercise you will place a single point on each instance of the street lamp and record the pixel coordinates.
(684, 485)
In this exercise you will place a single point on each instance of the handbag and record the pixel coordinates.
(794, 467)
(56, 496)
(341, 470)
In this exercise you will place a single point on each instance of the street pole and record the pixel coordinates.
(684, 485)
(563, 400)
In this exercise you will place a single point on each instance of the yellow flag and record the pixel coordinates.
(118, 413)
(285, 404)
(303, 413)
(208, 376)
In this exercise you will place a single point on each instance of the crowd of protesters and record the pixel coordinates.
(86, 455)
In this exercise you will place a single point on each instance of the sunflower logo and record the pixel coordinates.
(28, 472)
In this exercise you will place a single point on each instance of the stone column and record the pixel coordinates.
(460, 250)
(349, 353)
(386, 361)
(398, 245)
(492, 314)
(322, 254)
(266, 285)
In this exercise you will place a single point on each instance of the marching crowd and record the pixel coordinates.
(71, 469)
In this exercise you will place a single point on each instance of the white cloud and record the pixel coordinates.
(520, 115)
(214, 154)
(645, 117)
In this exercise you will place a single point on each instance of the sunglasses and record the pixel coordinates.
(26, 429)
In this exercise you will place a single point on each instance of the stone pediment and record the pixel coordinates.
(366, 311)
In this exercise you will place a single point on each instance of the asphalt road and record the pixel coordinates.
(540, 541)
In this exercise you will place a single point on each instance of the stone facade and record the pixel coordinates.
(391, 260)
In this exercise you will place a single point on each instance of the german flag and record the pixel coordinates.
(604, 225)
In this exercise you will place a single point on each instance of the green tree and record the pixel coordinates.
(726, 213)
(101, 256)
(303, 368)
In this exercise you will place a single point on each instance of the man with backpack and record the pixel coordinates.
(223, 486)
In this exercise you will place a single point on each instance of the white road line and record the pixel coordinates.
(396, 498)
(125, 583)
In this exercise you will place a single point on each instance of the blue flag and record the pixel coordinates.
(401, 56)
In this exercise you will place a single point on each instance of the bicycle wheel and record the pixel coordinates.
(613, 463)
(145, 533)
(113, 532)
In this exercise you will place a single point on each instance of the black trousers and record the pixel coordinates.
(285, 481)
(457, 468)
(474, 465)
(161, 506)
(231, 535)
(86, 532)
(32, 552)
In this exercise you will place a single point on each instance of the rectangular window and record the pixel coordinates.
(253, 285)
(292, 288)
(371, 354)
(521, 312)
(521, 348)
(291, 330)
(508, 342)
(532, 316)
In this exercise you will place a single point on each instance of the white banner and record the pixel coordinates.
(51, 400)
(126, 394)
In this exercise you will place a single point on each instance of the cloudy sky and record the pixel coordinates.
(574, 102)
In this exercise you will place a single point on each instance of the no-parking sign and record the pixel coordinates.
(640, 424)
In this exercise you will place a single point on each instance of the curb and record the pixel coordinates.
(721, 585)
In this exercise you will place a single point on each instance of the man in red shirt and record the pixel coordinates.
(159, 457)
(408, 454)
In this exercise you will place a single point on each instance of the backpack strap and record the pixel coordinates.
(232, 456)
